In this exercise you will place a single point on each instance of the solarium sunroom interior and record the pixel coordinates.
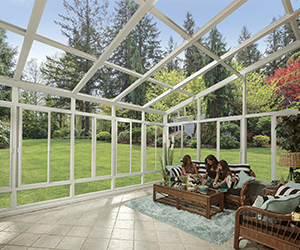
(141, 173)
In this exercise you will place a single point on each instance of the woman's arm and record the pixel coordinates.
(183, 170)
(196, 169)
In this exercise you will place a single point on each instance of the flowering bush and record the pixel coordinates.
(4, 133)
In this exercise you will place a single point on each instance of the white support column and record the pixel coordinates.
(72, 147)
(94, 146)
(243, 124)
(155, 147)
(49, 148)
(114, 132)
(143, 147)
(130, 147)
(198, 130)
(15, 175)
(165, 136)
(273, 147)
(182, 128)
(218, 139)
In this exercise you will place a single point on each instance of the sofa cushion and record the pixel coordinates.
(237, 168)
(292, 184)
(286, 191)
(176, 171)
(170, 167)
(282, 205)
(243, 178)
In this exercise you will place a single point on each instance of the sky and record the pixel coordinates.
(255, 14)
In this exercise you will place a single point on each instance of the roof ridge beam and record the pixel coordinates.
(33, 24)
(138, 15)
(202, 31)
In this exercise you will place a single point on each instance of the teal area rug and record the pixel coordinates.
(218, 229)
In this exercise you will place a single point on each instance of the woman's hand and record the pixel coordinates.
(216, 185)
(232, 179)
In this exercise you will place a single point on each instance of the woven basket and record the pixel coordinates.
(291, 160)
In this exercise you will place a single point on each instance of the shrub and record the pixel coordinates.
(194, 144)
(124, 136)
(57, 134)
(260, 140)
(229, 128)
(228, 141)
(136, 134)
(104, 136)
(4, 133)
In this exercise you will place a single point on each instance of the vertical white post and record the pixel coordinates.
(181, 146)
(243, 125)
(49, 148)
(15, 175)
(130, 147)
(72, 147)
(165, 137)
(94, 146)
(198, 130)
(273, 147)
(114, 132)
(143, 147)
(218, 139)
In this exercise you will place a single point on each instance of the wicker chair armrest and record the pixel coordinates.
(245, 188)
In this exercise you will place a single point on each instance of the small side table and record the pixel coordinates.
(269, 190)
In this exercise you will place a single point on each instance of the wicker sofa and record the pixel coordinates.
(237, 196)
(271, 229)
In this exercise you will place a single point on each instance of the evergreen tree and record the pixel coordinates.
(7, 64)
(139, 51)
(217, 102)
(249, 55)
(84, 26)
(193, 56)
(175, 63)
(275, 42)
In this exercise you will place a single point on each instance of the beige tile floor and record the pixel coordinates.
(103, 223)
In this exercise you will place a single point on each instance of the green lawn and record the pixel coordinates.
(34, 166)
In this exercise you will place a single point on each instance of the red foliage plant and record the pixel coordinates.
(287, 80)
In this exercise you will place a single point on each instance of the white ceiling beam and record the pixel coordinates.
(232, 78)
(33, 24)
(262, 33)
(170, 23)
(7, 81)
(289, 9)
(243, 45)
(58, 45)
(138, 15)
(197, 35)
(138, 75)
(182, 83)
(293, 46)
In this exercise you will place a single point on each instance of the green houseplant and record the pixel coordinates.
(289, 127)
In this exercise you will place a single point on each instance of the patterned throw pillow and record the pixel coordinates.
(176, 172)
(285, 191)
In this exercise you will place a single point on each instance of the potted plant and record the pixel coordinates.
(289, 128)
(168, 157)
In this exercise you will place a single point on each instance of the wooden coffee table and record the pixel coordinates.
(203, 204)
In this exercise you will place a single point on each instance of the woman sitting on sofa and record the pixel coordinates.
(211, 164)
(188, 167)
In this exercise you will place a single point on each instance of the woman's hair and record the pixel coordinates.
(225, 169)
(185, 159)
(214, 164)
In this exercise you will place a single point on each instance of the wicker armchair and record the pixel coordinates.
(274, 230)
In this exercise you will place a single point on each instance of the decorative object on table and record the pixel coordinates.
(203, 189)
(217, 230)
(289, 127)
